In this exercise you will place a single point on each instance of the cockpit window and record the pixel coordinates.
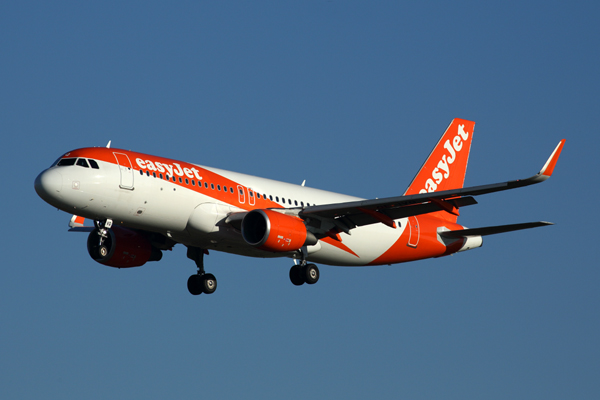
(66, 161)
(94, 164)
(82, 163)
(56, 162)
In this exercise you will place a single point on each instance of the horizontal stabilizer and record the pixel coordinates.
(492, 230)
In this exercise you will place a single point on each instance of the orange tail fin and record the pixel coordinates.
(446, 166)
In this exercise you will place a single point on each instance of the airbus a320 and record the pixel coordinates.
(142, 205)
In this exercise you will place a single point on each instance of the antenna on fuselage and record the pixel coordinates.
(303, 182)
(108, 145)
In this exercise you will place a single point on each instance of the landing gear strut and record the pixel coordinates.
(201, 282)
(102, 227)
(303, 272)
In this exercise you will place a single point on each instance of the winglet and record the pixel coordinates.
(77, 225)
(549, 166)
(76, 221)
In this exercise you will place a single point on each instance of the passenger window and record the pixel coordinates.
(283, 200)
(258, 196)
(193, 182)
(187, 182)
(302, 203)
(147, 173)
(141, 172)
(271, 197)
(231, 189)
(277, 198)
(206, 185)
(180, 181)
(212, 186)
(154, 174)
(94, 164)
(219, 188)
(66, 161)
(251, 194)
(296, 202)
(160, 176)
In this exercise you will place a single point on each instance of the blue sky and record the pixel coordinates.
(350, 96)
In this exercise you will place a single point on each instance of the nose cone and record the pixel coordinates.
(48, 186)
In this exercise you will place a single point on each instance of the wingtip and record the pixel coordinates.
(548, 168)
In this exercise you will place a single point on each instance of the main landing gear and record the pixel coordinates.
(201, 282)
(301, 274)
(304, 273)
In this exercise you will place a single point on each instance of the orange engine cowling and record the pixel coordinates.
(273, 231)
(123, 248)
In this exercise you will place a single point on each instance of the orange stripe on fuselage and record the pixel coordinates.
(106, 155)
(428, 244)
(339, 245)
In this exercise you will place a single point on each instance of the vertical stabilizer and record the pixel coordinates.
(446, 166)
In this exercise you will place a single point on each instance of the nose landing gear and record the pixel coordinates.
(201, 282)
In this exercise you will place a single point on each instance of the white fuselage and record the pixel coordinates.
(196, 217)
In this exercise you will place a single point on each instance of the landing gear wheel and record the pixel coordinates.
(103, 251)
(296, 275)
(209, 283)
(194, 284)
(310, 274)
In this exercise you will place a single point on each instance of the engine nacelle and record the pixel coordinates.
(123, 248)
(273, 231)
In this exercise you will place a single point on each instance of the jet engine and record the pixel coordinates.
(273, 231)
(122, 248)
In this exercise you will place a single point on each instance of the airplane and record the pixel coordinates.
(143, 205)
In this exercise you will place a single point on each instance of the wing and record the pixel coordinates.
(77, 225)
(346, 216)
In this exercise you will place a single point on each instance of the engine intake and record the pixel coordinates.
(273, 231)
(123, 248)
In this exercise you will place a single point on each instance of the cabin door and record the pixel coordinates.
(125, 170)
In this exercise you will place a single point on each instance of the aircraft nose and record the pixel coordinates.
(48, 185)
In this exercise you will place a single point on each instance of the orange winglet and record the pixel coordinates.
(76, 221)
(549, 166)
(384, 219)
(446, 206)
